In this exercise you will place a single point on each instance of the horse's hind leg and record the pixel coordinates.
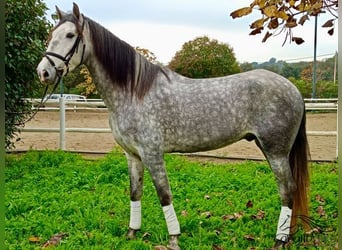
(136, 175)
(287, 186)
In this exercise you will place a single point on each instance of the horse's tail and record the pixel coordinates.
(299, 157)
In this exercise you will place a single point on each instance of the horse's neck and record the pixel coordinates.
(111, 94)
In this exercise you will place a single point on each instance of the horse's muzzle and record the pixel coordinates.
(46, 73)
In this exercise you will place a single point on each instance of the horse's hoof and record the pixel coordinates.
(173, 243)
(279, 244)
(131, 234)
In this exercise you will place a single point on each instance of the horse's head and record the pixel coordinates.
(66, 48)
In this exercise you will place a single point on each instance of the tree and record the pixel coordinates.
(246, 66)
(203, 58)
(150, 56)
(284, 15)
(87, 87)
(26, 30)
(290, 70)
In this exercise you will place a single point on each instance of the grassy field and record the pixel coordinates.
(60, 200)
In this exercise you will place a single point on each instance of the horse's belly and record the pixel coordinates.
(196, 140)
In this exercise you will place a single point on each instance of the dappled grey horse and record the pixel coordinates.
(153, 110)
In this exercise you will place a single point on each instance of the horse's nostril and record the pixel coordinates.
(45, 74)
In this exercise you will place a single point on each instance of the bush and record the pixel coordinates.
(324, 89)
(26, 32)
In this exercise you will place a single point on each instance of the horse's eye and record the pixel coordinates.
(70, 35)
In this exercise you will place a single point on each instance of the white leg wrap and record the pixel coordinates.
(284, 224)
(171, 220)
(135, 216)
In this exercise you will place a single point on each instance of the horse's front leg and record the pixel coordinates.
(157, 171)
(136, 175)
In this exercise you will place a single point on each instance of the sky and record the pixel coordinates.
(163, 27)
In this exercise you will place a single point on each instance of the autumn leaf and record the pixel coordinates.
(303, 6)
(261, 3)
(270, 11)
(259, 216)
(329, 23)
(228, 217)
(273, 24)
(256, 31)
(316, 7)
(321, 211)
(241, 12)
(316, 242)
(54, 240)
(292, 3)
(216, 247)
(297, 40)
(249, 237)
(232, 217)
(160, 248)
(258, 23)
(34, 239)
(331, 31)
(316, 230)
(184, 213)
(303, 19)
(249, 204)
(320, 199)
(282, 15)
(291, 22)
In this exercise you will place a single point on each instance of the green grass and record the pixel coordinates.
(52, 192)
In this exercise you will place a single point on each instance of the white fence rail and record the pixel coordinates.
(97, 105)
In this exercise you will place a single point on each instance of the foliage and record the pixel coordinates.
(71, 80)
(204, 58)
(150, 56)
(282, 16)
(53, 195)
(293, 70)
(300, 73)
(324, 71)
(26, 30)
(324, 89)
(326, 68)
(87, 87)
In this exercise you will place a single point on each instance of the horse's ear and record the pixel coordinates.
(76, 11)
(60, 13)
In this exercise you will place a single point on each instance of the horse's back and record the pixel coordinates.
(206, 114)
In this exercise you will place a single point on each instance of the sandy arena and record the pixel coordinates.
(321, 147)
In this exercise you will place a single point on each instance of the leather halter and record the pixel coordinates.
(66, 59)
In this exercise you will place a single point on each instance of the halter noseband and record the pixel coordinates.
(66, 59)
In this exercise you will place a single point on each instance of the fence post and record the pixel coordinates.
(62, 123)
